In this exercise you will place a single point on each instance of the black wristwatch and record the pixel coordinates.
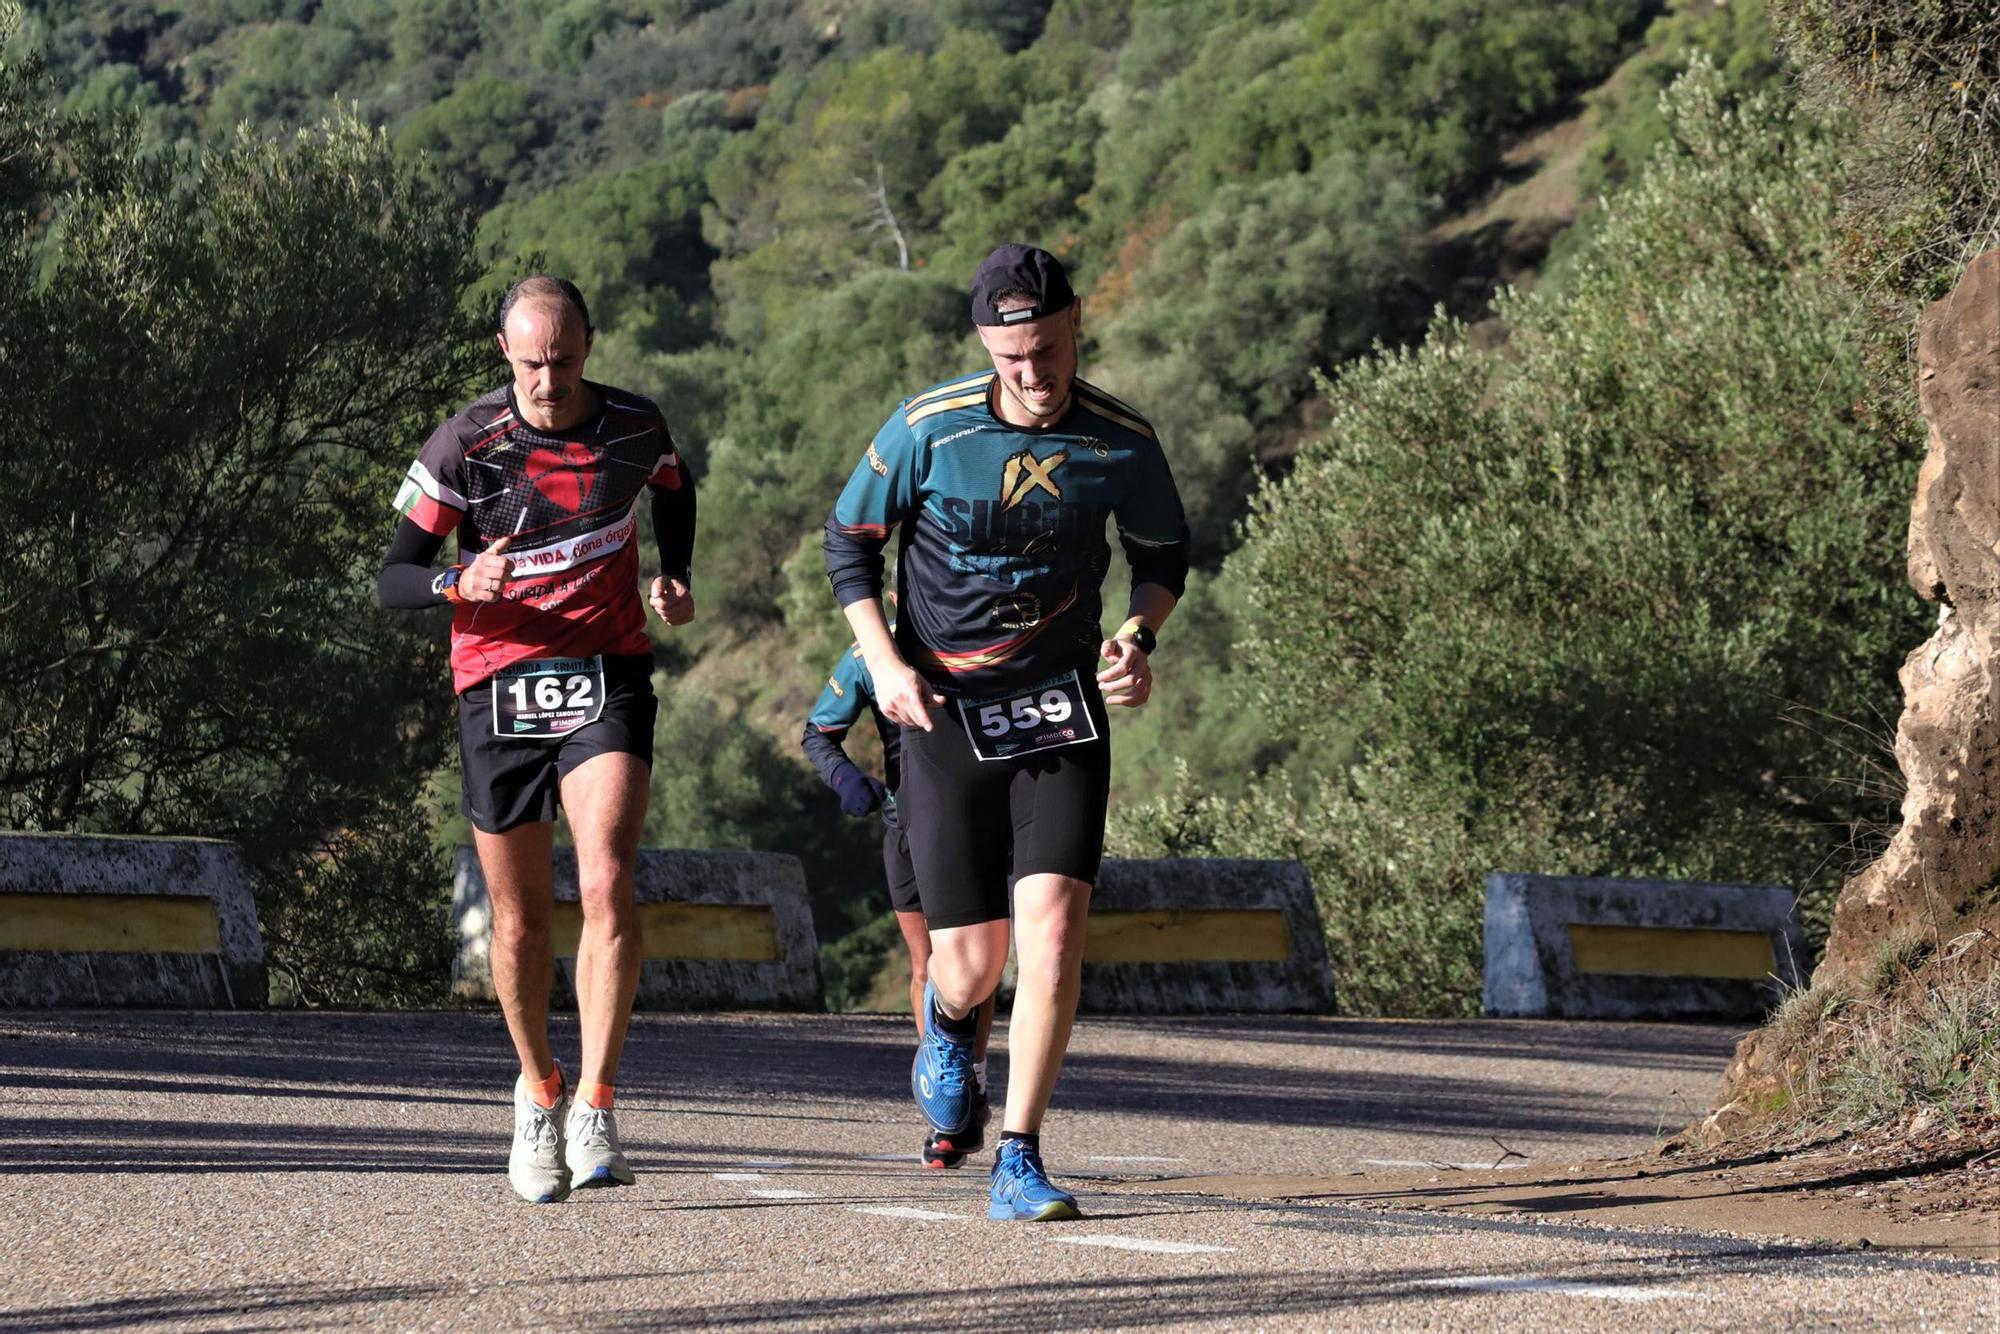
(446, 584)
(1144, 638)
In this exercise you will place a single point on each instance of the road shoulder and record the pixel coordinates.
(1940, 1204)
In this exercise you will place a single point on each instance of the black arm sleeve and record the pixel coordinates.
(405, 580)
(825, 752)
(1165, 565)
(854, 561)
(673, 525)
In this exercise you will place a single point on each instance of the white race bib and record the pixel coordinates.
(1021, 722)
(548, 697)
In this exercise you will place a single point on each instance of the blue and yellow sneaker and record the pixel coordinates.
(942, 1150)
(941, 1076)
(1022, 1191)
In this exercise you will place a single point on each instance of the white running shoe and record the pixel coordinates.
(590, 1146)
(535, 1165)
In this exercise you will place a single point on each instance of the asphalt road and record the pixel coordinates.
(313, 1170)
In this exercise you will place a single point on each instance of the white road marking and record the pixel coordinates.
(1564, 1287)
(1144, 1244)
(1128, 1158)
(914, 1215)
(1432, 1164)
(786, 1194)
(739, 1176)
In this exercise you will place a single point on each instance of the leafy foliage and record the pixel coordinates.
(1925, 77)
(1625, 113)
(1564, 597)
(480, 136)
(631, 241)
(813, 398)
(199, 488)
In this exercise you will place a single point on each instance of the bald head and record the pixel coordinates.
(544, 289)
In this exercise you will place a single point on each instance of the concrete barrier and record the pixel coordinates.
(722, 931)
(1571, 948)
(89, 921)
(1205, 936)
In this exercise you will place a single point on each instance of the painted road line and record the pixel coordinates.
(914, 1215)
(1562, 1287)
(1144, 1244)
(786, 1194)
(739, 1176)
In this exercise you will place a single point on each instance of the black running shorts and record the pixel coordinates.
(897, 867)
(510, 782)
(964, 815)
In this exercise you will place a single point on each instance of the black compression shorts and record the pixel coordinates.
(897, 867)
(964, 815)
(517, 781)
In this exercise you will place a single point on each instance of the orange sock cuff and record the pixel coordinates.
(547, 1092)
(596, 1094)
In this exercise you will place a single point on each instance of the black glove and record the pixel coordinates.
(859, 794)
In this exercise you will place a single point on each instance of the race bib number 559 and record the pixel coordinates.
(1022, 722)
(548, 697)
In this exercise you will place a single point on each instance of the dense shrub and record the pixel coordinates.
(232, 351)
(1565, 597)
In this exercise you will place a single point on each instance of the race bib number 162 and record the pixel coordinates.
(1024, 721)
(548, 697)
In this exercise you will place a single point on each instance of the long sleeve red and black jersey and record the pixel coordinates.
(570, 502)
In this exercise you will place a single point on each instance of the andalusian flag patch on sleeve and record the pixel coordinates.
(427, 502)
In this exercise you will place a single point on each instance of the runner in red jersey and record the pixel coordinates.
(542, 481)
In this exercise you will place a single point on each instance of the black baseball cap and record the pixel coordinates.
(1020, 268)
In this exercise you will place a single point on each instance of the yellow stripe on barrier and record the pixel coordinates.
(109, 924)
(741, 932)
(1194, 935)
(1663, 951)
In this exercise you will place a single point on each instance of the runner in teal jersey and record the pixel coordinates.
(1003, 482)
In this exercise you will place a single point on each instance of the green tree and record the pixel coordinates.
(480, 137)
(1026, 185)
(631, 240)
(234, 351)
(1012, 23)
(1270, 280)
(1624, 114)
(840, 184)
(1227, 318)
(568, 31)
(422, 30)
(284, 74)
(1573, 600)
(1181, 70)
(822, 388)
(1210, 95)
(1441, 82)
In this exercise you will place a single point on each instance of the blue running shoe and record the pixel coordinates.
(941, 1076)
(1022, 1191)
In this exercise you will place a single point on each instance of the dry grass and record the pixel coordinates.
(1914, 1042)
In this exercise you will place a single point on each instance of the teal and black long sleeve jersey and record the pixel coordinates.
(1002, 555)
